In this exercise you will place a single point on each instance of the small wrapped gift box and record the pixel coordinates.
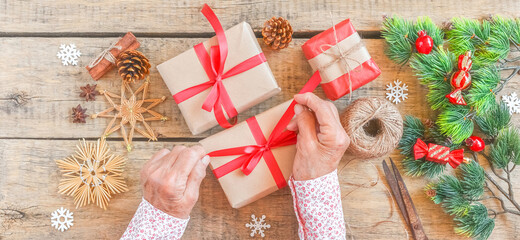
(342, 60)
(242, 189)
(215, 80)
(254, 158)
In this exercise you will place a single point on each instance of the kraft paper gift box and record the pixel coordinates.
(342, 60)
(241, 189)
(245, 89)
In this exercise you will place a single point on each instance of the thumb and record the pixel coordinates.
(195, 178)
(306, 122)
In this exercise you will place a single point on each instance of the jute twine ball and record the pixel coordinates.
(374, 126)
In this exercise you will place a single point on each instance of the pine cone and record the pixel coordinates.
(132, 65)
(277, 33)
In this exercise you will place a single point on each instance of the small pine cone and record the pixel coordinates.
(431, 193)
(132, 65)
(277, 33)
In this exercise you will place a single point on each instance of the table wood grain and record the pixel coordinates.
(37, 94)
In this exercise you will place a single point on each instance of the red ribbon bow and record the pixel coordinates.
(251, 155)
(213, 63)
(437, 153)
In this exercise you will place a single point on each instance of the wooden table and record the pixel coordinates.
(37, 94)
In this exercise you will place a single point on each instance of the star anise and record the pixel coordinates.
(89, 92)
(78, 114)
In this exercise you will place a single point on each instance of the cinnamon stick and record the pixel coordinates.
(127, 42)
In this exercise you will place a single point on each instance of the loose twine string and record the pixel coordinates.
(106, 54)
(370, 184)
(389, 127)
(341, 55)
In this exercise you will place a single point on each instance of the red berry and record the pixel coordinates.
(424, 43)
(475, 143)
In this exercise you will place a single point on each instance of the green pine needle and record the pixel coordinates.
(494, 120)
(506, 148)
(455, 123)
(472, 180)
(467, 34)
(476, 223)
(426, 24)
(413, 128)
(421, 167)
(434, 70)
(399, 35)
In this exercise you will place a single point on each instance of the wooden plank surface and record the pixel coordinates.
(37, 94)
(29, 179)
(180, 17)
(51, 90)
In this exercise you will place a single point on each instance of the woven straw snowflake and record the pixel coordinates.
(131, 111)
(92, 174)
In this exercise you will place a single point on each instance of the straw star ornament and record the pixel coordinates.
(131, 111)
(92, 174)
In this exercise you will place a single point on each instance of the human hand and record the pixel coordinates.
(171, 179)
(322, 141)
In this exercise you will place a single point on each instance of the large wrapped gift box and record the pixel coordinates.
(342, 60)
(242, 189)
(245, 89)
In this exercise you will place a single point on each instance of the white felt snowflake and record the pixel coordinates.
(513, 102)
(62, 219)
(398, 92)
(258, 225)
(69, 54)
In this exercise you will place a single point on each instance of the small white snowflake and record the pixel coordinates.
(513, 102)
(62, 219)
(398, 93)
(69, 54)
(258, 225)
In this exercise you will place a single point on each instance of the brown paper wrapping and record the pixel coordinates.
(245, 89)
(240, 189)
(127, 42)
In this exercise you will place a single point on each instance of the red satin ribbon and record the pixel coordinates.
(251, 155)
(213, 63)
(421, 149)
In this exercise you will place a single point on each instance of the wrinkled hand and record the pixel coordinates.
(322, 141)
(171, 179)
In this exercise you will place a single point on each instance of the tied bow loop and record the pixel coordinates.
(218, 99)
(249, 156)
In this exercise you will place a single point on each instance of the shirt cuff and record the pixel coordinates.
(317, 203)
(152, 223)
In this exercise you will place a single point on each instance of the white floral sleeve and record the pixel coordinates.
(152, 223)
(317, 203)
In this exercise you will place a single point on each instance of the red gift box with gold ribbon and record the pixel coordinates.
(342, 60)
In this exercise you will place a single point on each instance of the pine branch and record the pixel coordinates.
(398, 34)
(494, 120)
(456, 122)
(497, 186)
(516, 69)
